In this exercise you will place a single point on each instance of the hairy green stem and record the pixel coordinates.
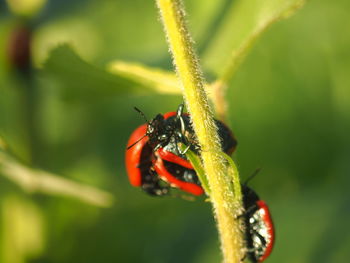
(226, 205)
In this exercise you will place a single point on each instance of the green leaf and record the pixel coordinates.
(198, 167)
(232, 171)
(80, 79)
(245, 21)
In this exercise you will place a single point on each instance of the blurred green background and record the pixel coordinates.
(289, 108)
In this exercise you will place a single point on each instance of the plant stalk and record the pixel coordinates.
(226, 205)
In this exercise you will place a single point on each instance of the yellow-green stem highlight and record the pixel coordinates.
(225, 204)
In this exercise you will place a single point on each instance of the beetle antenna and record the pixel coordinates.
(141, 113)
(257, 170)
(130, 146)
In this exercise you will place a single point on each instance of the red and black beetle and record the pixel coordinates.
(259, 232)
(138, 161)
(154, 161)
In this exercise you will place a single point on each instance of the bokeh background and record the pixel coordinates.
(289, 108)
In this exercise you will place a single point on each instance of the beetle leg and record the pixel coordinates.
(247, 211)
(262, 239)
(150, 184)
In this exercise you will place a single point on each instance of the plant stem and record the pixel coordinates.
(38, 181)
(226, 205)
(239, 53)
(219, 100)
